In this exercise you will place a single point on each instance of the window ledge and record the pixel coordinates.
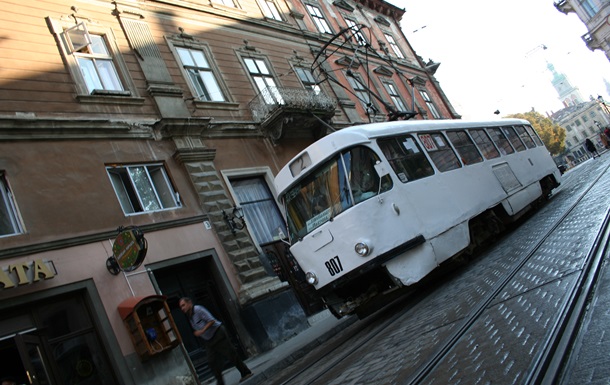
(110, 98)
(200, 104)
(272, 20)
(227, 8)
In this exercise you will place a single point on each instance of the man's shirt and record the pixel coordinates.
(200, 317)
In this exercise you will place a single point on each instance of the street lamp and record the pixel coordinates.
(235, 220)
(603, 103)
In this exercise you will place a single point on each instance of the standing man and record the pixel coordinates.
(215, 338)
(591, 147)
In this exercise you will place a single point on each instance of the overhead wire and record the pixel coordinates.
(349, 34)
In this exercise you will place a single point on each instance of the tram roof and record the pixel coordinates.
(374, 130)
(349, 136)
(364, 132)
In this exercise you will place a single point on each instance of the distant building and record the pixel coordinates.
(568, 94)
(594, 14)
(581, 121)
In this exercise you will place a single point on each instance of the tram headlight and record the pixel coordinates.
(362, 249)
(311, 278)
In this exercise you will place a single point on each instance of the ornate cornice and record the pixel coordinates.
(92, 238)
(180, 127)
(187, 155)
(384, 8)
(30, 127)
(383, 70)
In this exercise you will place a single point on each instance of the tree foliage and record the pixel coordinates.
(551, 133)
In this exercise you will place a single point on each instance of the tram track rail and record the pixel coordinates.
(547, 366)
(570, 314)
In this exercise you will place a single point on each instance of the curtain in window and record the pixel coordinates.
(260, 210)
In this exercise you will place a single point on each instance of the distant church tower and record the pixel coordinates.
(568, 94)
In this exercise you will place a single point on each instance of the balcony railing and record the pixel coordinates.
(275, 99)
(590, 41)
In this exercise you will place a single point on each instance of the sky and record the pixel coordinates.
(491, 53)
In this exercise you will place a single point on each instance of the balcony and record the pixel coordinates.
(292, 112)
(590, 41)
(564, 6)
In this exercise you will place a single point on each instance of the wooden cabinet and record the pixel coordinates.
(150, 325)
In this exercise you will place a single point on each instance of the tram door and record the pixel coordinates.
(33, 359)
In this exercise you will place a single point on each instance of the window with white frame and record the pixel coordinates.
(356, 31)
(430, 104)
(10, 221)
(394, 46)
(94, 59)
(264, 80)
(318, 18)
(143, 188)
(270, 10)
(395, 96)
(363, 95)
(200, 74)
(260, 210)
(308, 80)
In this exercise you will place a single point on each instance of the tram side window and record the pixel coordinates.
(514, 138)
(534, 135)
(465, 147)
(440, 152)
(484, 143)
(501, 141)
(363, 178)
(406, 158)
(525, 137)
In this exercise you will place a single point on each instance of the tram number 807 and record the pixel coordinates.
(334, 266)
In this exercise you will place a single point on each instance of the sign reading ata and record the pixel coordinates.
(18, 274)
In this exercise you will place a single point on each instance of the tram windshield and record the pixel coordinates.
(345, 180)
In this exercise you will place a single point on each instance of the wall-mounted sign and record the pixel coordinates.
(129, 250)
(18, 274)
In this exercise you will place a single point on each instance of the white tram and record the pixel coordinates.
(374, 208)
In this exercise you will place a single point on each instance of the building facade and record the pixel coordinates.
(134, 135)
(595, 14)
(582, 121)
